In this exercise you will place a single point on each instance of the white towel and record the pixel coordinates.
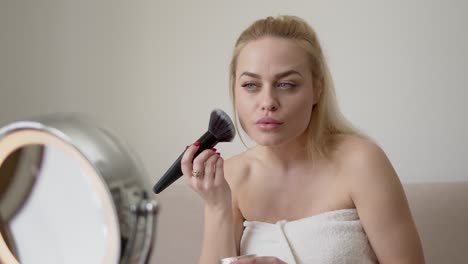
(327, 238)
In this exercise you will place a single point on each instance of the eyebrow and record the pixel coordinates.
(279, 75)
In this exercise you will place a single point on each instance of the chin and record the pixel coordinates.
(269, 139)
(275, 138)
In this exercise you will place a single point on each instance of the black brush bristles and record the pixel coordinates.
(220, 129)
(221, 126)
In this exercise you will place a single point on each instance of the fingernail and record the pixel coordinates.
(197, 144)
(213, 149)
(217, 153)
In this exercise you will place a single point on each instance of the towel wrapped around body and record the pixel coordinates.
(328, 238)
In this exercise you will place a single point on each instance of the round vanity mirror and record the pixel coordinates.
(70, 192)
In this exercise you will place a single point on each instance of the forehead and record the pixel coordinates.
(270, 55)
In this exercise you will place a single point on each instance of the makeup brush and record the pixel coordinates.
(220, 129)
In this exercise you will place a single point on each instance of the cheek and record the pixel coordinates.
(241, 110)
(246, 119)
(303, 111)
(243, 103)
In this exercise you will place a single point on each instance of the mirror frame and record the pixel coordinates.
(115, 170)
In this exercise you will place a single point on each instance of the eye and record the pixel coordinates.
(286, 85)
(249, 86)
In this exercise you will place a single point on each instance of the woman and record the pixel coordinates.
(313, 189)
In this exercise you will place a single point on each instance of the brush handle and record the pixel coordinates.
(207, 141)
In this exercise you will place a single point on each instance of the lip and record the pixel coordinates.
(268, 120)
(268, 123)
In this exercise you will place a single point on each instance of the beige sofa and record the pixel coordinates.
(439, 209)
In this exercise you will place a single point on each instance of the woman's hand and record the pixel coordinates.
(259, 260)
(205, 175)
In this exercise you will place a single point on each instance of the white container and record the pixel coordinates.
(232, 259)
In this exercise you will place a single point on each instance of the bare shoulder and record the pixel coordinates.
(357, 153)
(236, 169)
(379, 197)
(236, 173)
(356, 145)
(364, 165)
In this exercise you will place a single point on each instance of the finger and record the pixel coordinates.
(199, 162)
(210, 170)
(186, 162)
(219, 175)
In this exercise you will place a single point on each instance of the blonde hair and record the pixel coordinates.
(326, 119)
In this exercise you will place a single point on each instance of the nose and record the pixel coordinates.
(269, 100)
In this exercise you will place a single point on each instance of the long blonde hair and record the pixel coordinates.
(326, 119)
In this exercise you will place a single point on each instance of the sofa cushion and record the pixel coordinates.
(440, 211)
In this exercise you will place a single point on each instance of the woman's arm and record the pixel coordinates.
(382, 205)
(218, 237)
(205, 175)
(223, 227)
(222, 234)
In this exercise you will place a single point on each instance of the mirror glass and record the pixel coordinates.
(53, 209)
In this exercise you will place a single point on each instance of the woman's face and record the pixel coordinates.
(274, 90)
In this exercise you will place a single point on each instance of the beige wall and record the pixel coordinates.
(153, 70)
